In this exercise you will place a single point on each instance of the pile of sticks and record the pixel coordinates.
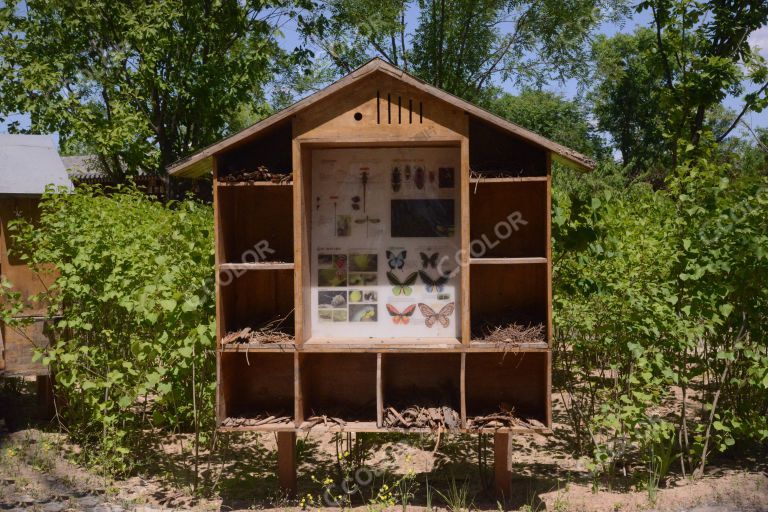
(326, 421)
(434, 418)
(511, 333)
(260, 174)
(502, 419)
(260, 336)
(258, 421)
(274, 331)
(506, 173)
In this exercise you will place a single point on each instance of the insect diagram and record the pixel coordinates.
(367, 220)
(396, 260)
(433, 285)
(430, 317)
(404, 287)
(401, 317)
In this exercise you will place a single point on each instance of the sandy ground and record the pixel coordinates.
(36, 473)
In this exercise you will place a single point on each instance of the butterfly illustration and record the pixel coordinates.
(430, 317)
(396, 260)
(429, 261)
(433, 285)
(401, 317)
(402, 287)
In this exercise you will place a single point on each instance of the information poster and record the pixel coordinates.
(385, 243)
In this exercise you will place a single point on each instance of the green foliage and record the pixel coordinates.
(625, 98)
(132, 346)
(462, 47)
(666, 83)
(546, 113)
(137, 83)
(659, 332)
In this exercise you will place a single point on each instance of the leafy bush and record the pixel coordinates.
(133, 341)
(658, 301)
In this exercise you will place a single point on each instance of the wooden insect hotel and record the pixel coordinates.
(383, 264)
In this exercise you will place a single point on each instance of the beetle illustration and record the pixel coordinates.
(396, 179)
(418, 178)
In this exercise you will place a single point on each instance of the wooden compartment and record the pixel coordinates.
(493, 151)
(251, 298)
(508, 219)
(256, 223)
(503, 294)
(272, 149)
(257, 385)
(339, 385)
(421, 380)
(517, 381)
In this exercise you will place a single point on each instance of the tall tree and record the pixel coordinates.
(462, 46)
(703, 53)
(139, 83)
(625, 98)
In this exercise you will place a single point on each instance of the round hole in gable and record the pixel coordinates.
(358, 116)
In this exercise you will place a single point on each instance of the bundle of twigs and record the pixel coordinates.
(479, 175)
(258, 421)
(260, 174)
(502, 419)
(434, 418)
(511, 333)
(325, 420)
(274, 331)
(259, 336)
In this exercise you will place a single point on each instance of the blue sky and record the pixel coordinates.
(567, 89)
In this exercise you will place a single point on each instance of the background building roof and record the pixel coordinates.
(29, 163)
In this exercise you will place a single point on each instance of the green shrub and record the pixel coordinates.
(660, 300)
(133, 341)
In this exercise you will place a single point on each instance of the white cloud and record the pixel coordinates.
(759, 38)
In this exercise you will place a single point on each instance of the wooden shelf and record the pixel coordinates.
(341, 385)
(253, 184)
(257, 384)
(509, 179)
(380, 345)
(382, 348)
(516, 381)
(489, 346)
(258, 347)
(287, 427)
(507, 261)
(508, 219)
(256, 224)
(257, 266)
(251, 299)
(503, 294)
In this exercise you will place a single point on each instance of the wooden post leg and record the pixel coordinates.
(502, 476)
(286, 461)
(45, 396)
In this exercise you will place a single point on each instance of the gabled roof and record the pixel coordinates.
(201, 162)
(28, 164)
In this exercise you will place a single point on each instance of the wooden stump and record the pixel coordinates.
(286, 461)
(502, 474)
